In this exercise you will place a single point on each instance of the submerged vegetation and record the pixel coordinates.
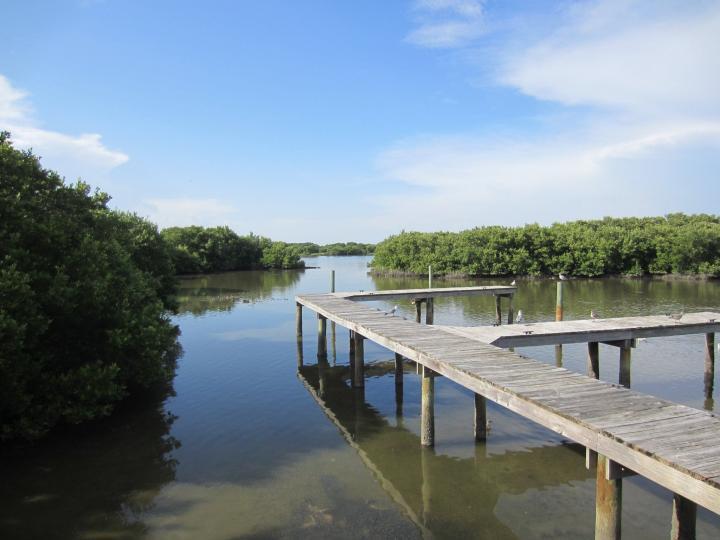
(84, 299)
(673, 244)
(199, 250)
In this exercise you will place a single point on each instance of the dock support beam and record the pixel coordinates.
(359, 362)
(398, 369)
(418, 310)
(511, 312)
(481, 426)
(298, 320)
(429, 311)
(608, 501)
(322, 337)
(709, 364)
(352, 343)
(498, 310)
(625, 355)
(684, 515)
(593, 361)
(427, 409)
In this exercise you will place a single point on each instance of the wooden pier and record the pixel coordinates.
(673, 445)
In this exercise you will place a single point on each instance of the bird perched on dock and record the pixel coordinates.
(676, 316)
(562, 277)
(513, 283)
(593, 315)
(520, 319)
(392, 311)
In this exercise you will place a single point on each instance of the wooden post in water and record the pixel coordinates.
(709, 364)
(352, 342)
(480, 418)
(429, 276)
(625, 355)
(359, 363)
(608, 502)
(299, 352)
(498, 310)
(298, 320)
(559, 317)
(427, 409)
(398, 369)
(332, 280)
(322, 337)
(429, 311)
(593, 360)
(426, 455)
(418, 310)
(684, 517)
(511, 313)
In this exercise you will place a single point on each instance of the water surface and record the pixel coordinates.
(251, 447)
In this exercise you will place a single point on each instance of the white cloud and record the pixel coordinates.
(647, 77)
(184, 211)
(460, 22)
(71, 155)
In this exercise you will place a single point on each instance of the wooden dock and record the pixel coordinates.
(673, 445)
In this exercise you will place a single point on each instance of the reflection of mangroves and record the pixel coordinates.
(221, 292)
(448, 495)
(108, 495)
(610, 297)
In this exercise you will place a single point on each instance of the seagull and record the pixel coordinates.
(519, 319)
(392, 311)
(562, 277)
(513, 283)
(676, 316)
(594, 316)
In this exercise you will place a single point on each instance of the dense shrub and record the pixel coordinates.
(84, 294)
(307, 249)
(676, 243)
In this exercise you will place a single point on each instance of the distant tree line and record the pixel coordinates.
(673, 244)
(85, 293)
(308, 249)
(198, 250)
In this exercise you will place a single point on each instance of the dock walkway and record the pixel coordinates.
(673, 445)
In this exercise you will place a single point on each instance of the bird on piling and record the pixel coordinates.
(520, 319)
(392, 311)
(513, 283)
(562, 277)
(593, 315)
(676, 316)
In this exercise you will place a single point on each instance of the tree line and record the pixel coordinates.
(671, 244)
(309, 249)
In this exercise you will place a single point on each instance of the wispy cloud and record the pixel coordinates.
(647, 78)
(183, 211)
(446, 23)
(74, 156)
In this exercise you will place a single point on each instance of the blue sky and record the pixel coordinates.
(339, 120)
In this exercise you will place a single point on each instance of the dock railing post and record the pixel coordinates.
(709, 378)
(608, 501)
(559, 317)
(684, 517)
(427, 409)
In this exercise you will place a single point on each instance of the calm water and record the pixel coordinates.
(248, 447)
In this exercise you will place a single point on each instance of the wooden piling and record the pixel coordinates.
(359, 362)
(352, 343)
(559, 302)
(332, 280)
(427, 409)
(608, 502)
(430, 276)
(684, 517)
(709, 364)
(625, 356)
(398, 368)
(418, 311)
(298, 319)
(498, 310)
(480, 418)
(511, 313)
(593, 360)
(429, 311)
(299, 352)
(322, 337)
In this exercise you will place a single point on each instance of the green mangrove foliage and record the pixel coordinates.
(84, 297)
(308, 249)
(199, 250)
(673, 244)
